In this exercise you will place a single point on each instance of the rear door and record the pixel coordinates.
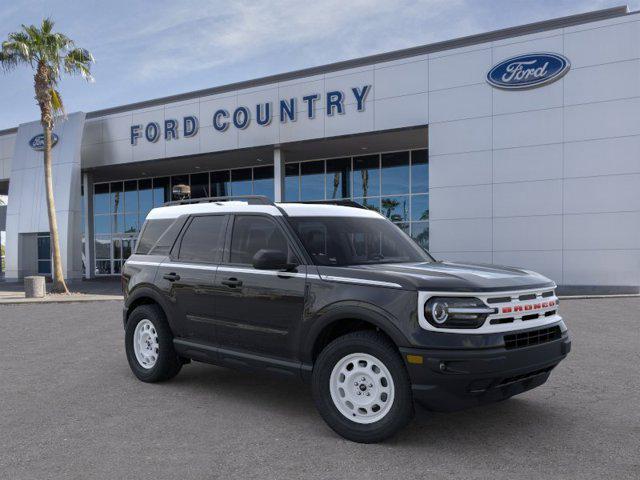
(188, 276)
(258, 310)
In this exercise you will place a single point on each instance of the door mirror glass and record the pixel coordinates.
(265, 259)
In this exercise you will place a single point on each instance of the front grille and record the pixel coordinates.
(534, 337)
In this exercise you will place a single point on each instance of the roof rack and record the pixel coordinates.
(250, 199)
(343, 203)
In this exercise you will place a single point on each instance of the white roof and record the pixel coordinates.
(292, 209)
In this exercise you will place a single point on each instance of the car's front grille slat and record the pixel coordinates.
(533, 337)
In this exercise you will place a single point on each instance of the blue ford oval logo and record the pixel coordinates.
(37, 142)
(528, 71)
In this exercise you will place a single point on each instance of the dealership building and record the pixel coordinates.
(517, 147)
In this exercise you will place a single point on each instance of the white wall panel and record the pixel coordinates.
(599, 83)
(460, 136)
(509, 101)
(528, 128)
(459, 103)
(460, 235)
(527, 198)
(302, 129)
(603, 45)
(345, 83)
(117, 127)
(611, 193)
(402, 79)
(460, 202)
(601, 267)
(587, 158)
(471, 168)
(601, 120)
(543, 232)
(540, 162)
(398, 112)
(459, 69)
(602, 231)
(548, 263)
(468, 257)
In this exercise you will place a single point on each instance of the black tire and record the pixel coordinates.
(168, 363)
(377, 345)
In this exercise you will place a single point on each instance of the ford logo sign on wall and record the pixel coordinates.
(37, 142)
(528, 71)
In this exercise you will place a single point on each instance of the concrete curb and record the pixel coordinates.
(61, 299)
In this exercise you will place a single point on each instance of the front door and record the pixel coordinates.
(257, 310)
(189, 276)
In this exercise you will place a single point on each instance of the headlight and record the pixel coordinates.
(452, 312)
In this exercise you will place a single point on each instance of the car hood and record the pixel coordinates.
(444, 276)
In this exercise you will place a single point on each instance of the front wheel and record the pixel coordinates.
(361, 387)
(149, 345)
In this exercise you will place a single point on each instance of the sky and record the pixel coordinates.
(149, 49)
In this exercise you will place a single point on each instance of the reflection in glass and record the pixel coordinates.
(241, 181)
(420, 233)
(161, 191)
(312, 180)
(263, 181)
(199, 185)
(116, 197)
(178, 180)
(117, 223)
(338, 178)
(395, 173)
(117, 267)
(102, 246)
(101, 198)
(130, 223)
(101, 224)
(145, 197)
(420, 171)
(127, 247)
(396, 209)
(131, 196)
(370, 203)
(117, 246)
(220, 184)
(103, 267)
(292, 182)
(404, 227)
(366, 176)
(420, 207)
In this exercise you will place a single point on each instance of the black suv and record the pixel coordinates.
(340, 297)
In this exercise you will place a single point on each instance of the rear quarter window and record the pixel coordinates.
(151, 233)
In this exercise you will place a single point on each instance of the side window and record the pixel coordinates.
(152, 231)
(204, 239)
(252, 233)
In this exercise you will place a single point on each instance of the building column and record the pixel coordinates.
(278, 175)
(87, 206)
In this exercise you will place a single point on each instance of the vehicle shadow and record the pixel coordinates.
(504, 422)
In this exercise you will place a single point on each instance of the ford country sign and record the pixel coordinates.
(528, 71)
(37, 142)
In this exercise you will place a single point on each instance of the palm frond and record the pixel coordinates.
(56, 101)
(78, 62)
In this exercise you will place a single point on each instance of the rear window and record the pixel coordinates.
(153, 230)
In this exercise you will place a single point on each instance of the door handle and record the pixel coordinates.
(232, 282)
(172, 277)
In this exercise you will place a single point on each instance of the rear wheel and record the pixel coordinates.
(361, 387)
(149, 345)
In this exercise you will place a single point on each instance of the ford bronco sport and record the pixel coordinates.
(338, 296)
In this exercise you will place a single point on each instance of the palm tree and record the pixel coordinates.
(49, 54)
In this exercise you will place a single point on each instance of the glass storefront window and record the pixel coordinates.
(131, 223)
(292, 182)
(312, 180)
(338, 178)
(370, 203)
(101, 198)
(420, 233)
(131, 196)
(419, 171)
(366, 176)
(263, 181)
(161, 191)
(395, 209)
(220, 184)
(102, 248)
(420, 207)
(395, 173)
(241, 181)
(199, 185)
(178, 180)
(116, 197)
(102, 224)
(145, 198)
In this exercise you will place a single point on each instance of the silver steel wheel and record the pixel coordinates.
(362, 388)
(145, 344)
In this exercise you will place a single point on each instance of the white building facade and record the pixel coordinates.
(533, 163)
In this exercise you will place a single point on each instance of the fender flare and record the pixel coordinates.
(147, 291)
(365, 312)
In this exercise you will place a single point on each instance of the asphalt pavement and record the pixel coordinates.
(71, 409)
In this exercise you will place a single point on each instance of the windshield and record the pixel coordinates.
(342, 241)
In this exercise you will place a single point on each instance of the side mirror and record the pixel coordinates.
(270, 260)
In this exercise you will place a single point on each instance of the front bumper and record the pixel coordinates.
(454, 379)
